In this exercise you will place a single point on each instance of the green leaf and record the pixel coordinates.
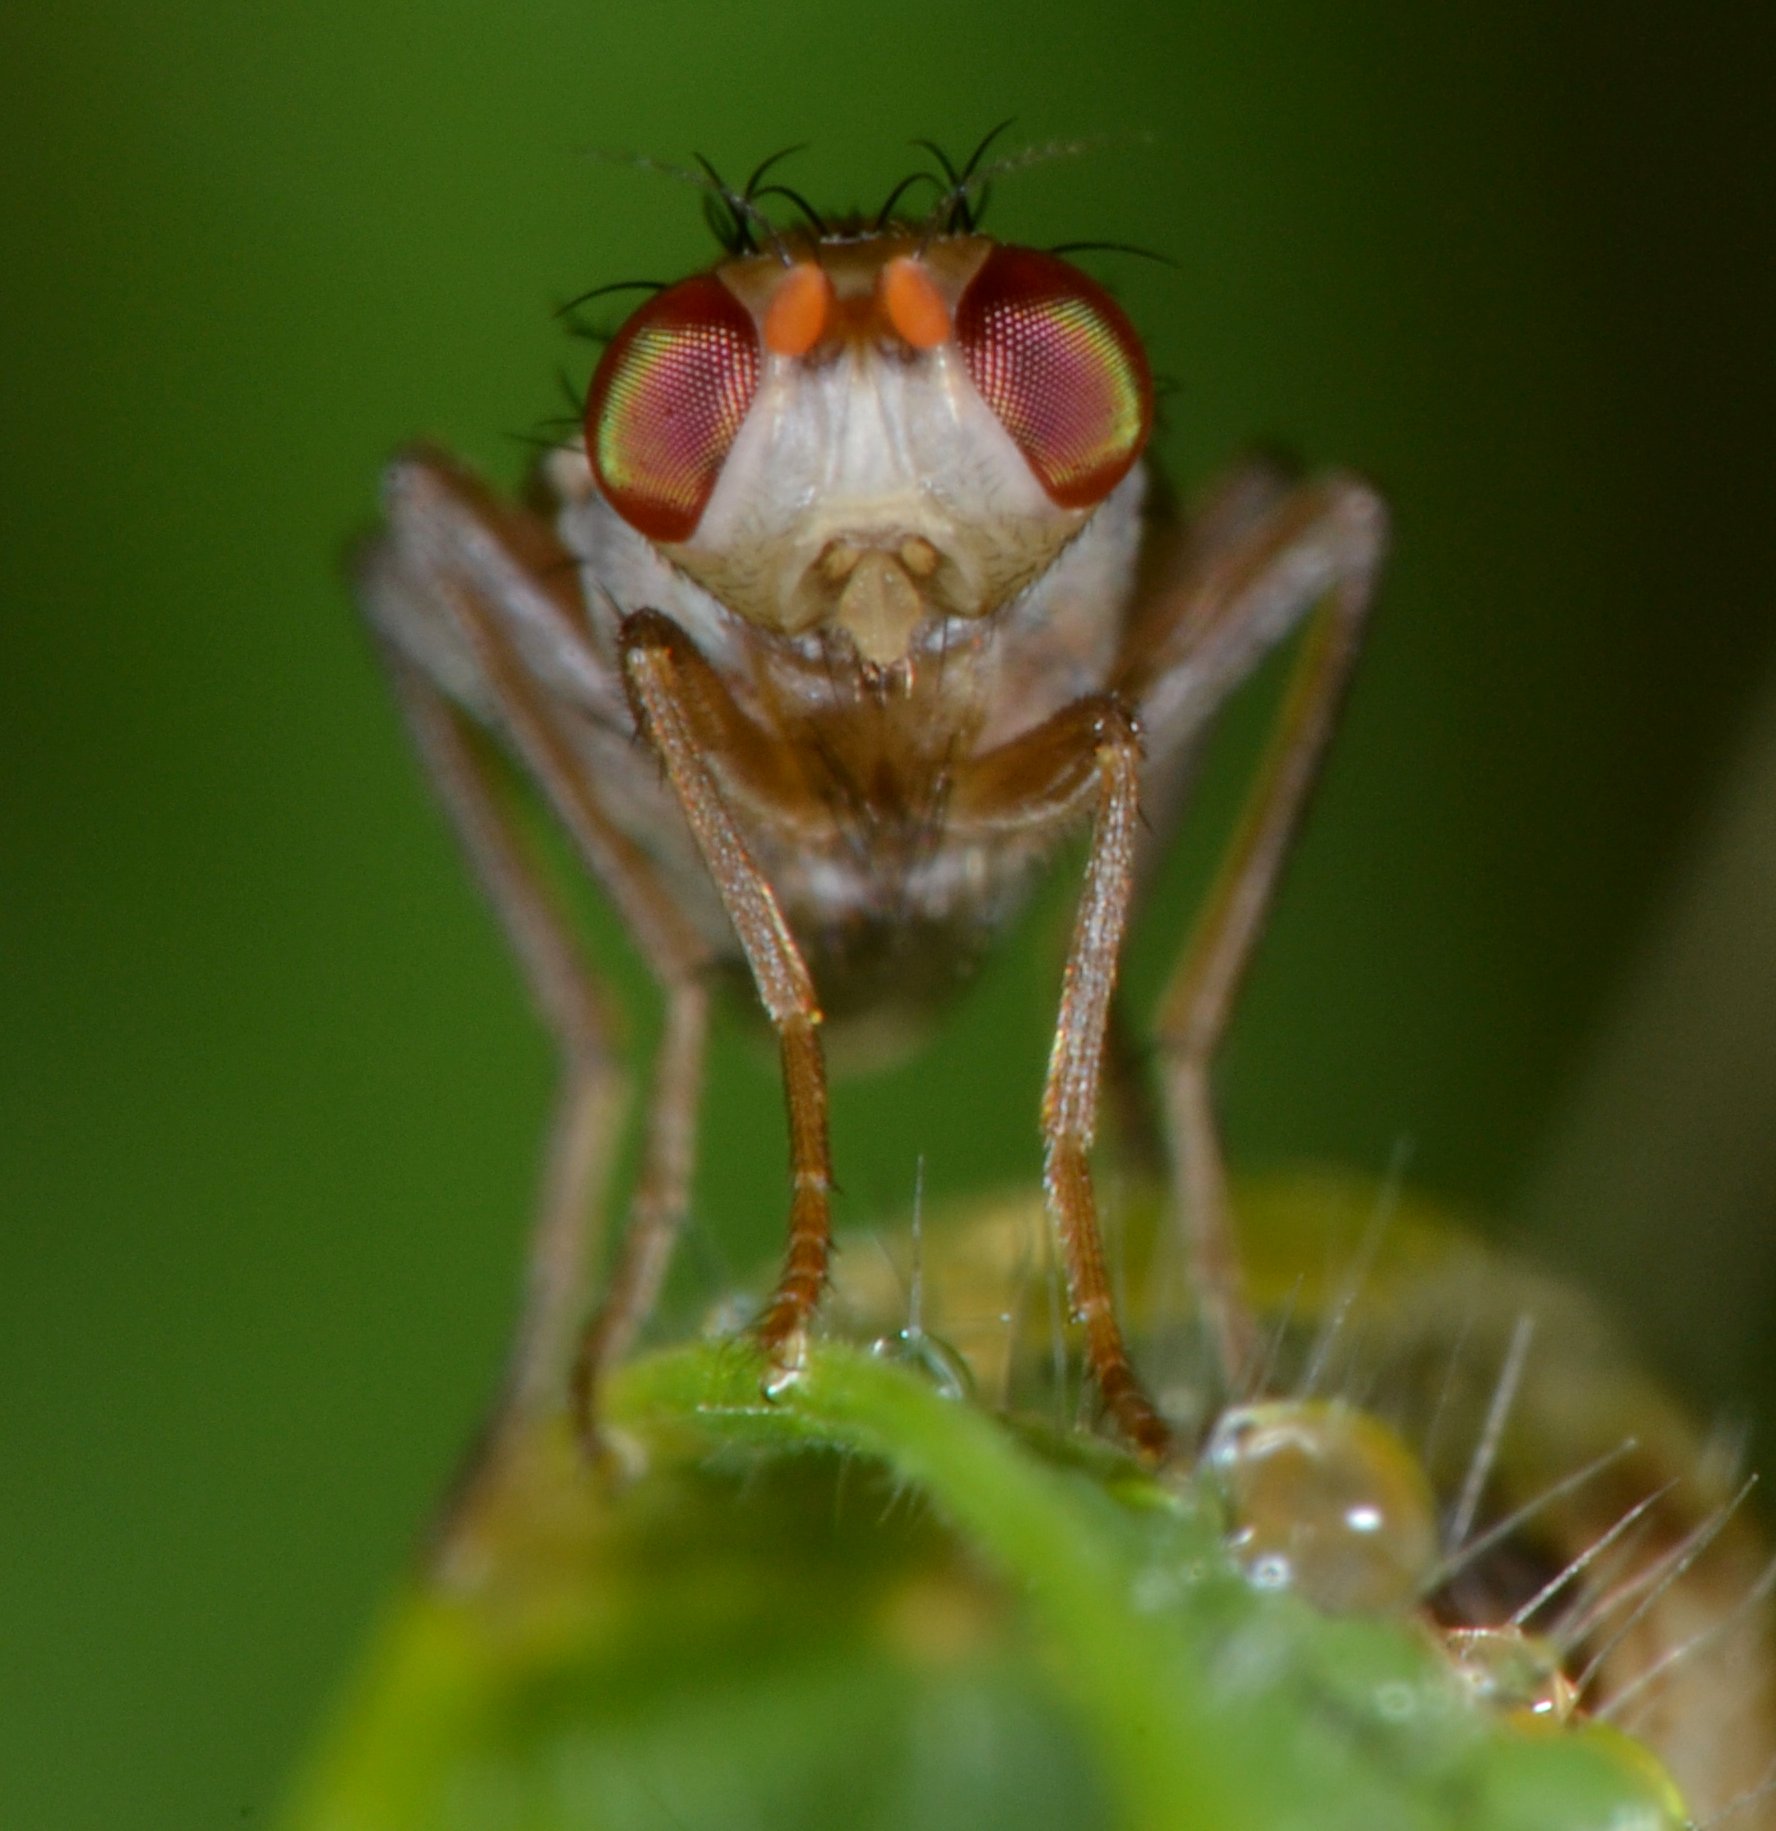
(871, 1603)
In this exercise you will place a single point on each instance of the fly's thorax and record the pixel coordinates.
(872, 433)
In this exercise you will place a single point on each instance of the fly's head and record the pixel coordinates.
(865, 431)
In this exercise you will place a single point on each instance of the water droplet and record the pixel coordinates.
(1327, 1501)
(1512, 1671)
(931, 1356)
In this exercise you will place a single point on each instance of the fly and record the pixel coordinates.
(855, 543)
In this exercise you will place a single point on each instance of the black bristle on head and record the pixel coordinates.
(950, 215)
(598, 292)
(719, 220)
(959, 211)
(884, 215)
(752, 191)
(742, 228)
(945, 164)
(814, 219)
(726, 213)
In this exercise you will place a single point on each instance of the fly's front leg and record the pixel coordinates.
(1320, 547)
(1075, 1067)
(658, 661)
(1088, 754)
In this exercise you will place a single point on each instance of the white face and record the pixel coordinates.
(883, 431)
(867, 482)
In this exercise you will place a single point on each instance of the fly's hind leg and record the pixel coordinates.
(1314, 555)
(574, 1006)
(677, 960)
(657, 1208)
(464, 595)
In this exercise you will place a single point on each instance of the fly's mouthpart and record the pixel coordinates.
(880, 607)
(878, 588)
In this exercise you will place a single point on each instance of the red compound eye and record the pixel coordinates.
(666, 402)
(1060, 365)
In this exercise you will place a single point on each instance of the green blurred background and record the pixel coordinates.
(271, 1097)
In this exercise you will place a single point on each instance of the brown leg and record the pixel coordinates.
(1322, 546)
(657, 1208)
(1086, 755)
(677, 960)
(1075, 1067)
(469, 597)
(656, 660)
